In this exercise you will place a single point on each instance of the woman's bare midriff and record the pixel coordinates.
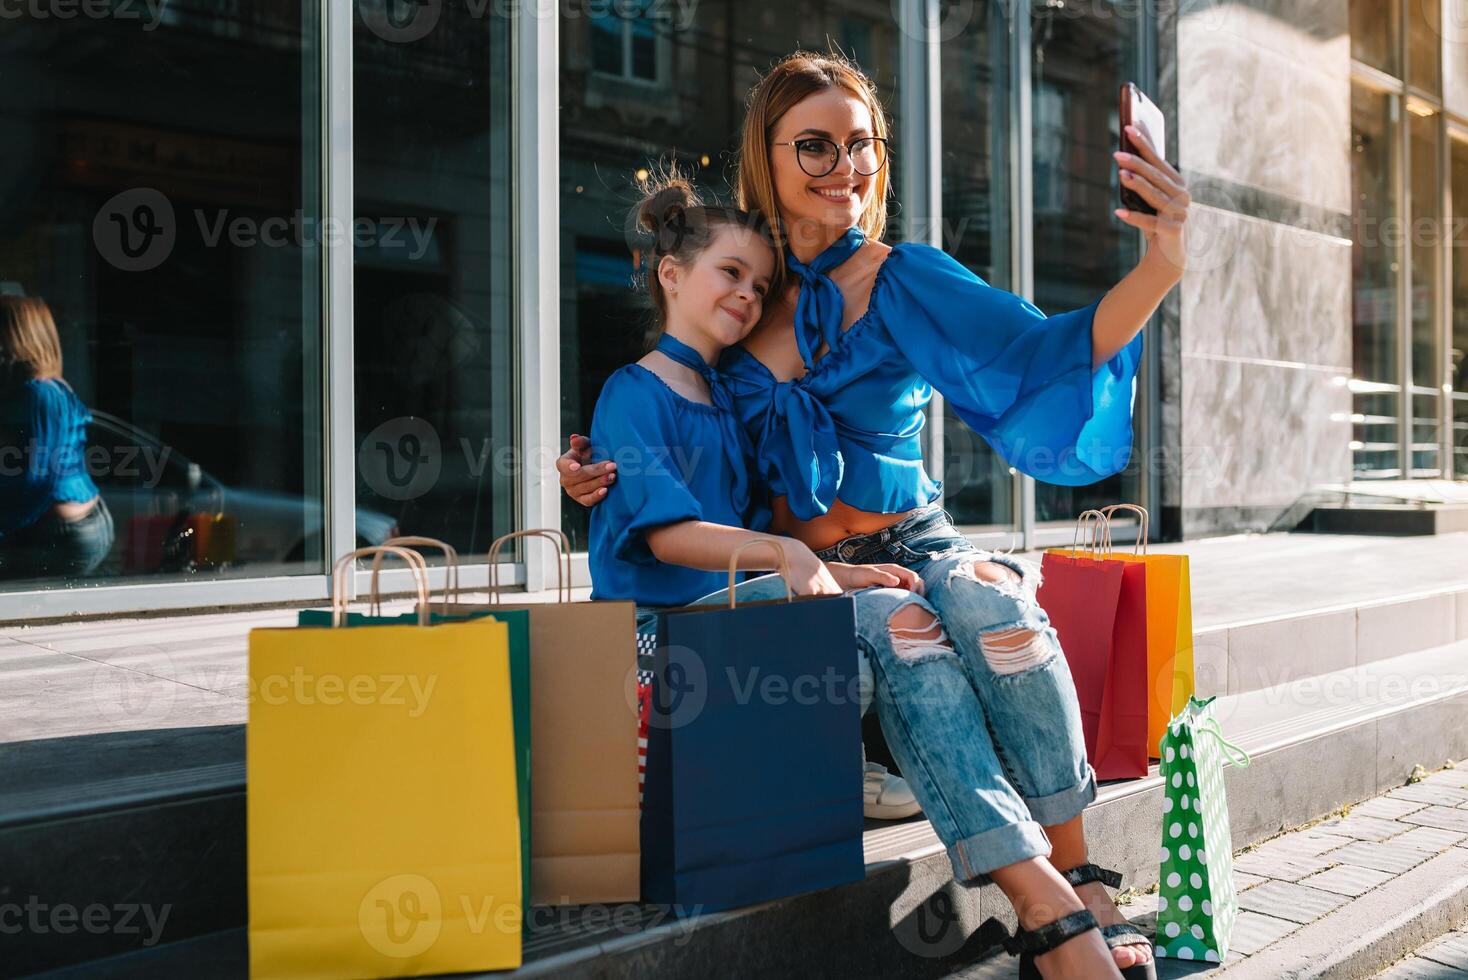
(69, 510)
(840, 522)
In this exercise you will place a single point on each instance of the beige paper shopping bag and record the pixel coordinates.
(584, 820)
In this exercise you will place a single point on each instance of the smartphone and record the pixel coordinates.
(1139, 111)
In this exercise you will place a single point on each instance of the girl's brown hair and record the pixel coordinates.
(30, 348)
(792, 80)
(677, 224)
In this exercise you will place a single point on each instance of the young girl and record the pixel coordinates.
(685, 502)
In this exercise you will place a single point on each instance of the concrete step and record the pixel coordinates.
(173, 838)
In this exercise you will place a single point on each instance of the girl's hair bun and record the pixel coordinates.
(664, 212)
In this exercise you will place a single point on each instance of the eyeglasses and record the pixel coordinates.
(818, 156)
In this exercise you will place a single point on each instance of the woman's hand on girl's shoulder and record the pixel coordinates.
(879, 576)
(586, 482)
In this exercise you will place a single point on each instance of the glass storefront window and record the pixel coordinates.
(1376, 34)
(1376, 271)
(1426, 193)
(614, 125)
(1081, 249)
(978, 487)
(434, 328)
(161, 213)
(1424, 45)
(1458, 352)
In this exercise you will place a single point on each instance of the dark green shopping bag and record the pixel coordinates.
(517, 622)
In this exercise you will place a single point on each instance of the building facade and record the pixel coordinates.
(325, 272)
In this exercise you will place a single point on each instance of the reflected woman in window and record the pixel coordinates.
(974, 694)
(53, 521)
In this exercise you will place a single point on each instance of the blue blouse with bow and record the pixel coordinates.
(677, 460)
(848, 428)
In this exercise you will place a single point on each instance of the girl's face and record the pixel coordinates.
(838, 199)
(720, 295)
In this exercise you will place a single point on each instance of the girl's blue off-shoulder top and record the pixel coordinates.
(848, 428)
(43, 434)
(677, 460)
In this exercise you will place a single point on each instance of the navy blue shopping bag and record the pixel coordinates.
(753, 775)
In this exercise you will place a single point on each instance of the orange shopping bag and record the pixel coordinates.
(1169, 613)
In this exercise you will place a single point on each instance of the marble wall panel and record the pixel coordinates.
(1264, 96)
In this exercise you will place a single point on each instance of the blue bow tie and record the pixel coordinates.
(820, 306)
(736, 441)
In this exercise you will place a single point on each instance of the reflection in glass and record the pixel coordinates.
(1081, 249)
(435, 401)
(1375, 275)
(613, 124)
(1458, 353)
(1376, 33)
(977, 486)
(158, 191)
(1426, 220)
(1424, 45)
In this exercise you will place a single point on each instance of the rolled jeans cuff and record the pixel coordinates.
(1059, 807)
(974, 857)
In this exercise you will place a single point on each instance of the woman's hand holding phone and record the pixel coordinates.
(1157, 182)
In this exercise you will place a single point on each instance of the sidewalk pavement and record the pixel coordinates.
(1381, 885)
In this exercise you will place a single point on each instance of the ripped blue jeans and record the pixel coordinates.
(974, 696)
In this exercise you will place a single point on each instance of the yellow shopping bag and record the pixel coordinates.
(382, 816)
(1169, 625)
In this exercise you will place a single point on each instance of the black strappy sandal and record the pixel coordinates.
(1121, 934)
(1030, 943)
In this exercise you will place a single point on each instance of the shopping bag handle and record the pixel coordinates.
(783, 567)
(451, 564)
(1095, 520)
(563, 574)
(342, 569)
(1140, 547)
(1235, 754)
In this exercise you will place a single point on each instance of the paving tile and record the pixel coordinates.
(1386, 808)
(1442, 817)
(1417, 968)
(1449, 777)
(1282, 868)
(1381, 855)
(1347, 879)
(1286, 900)
(1252, 931)
(1430, 838)
(1361, 827)
(1242, 880)
(1450, 950)
(1430, 793)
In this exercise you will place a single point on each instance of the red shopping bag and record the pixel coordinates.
(1099, 611)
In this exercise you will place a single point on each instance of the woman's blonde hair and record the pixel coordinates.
(792, 80)
(30, 347)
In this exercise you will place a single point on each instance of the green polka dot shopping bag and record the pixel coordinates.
(1196, 904)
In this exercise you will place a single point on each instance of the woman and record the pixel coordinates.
(975, 699)
(53, 521)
